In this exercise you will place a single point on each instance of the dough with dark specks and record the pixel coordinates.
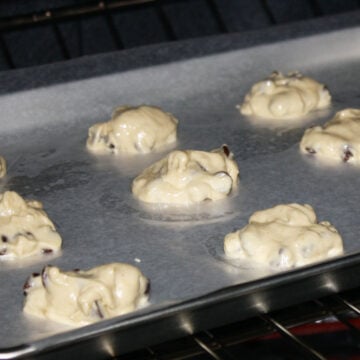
(288, 96)
(25, 228)
(133, 130)
(337, 141)
(79, 297)
(285, 236)
(186, 177)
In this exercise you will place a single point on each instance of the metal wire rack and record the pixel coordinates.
(326, 328)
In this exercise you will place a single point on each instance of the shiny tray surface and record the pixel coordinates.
(88, 197)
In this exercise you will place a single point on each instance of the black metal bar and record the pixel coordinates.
(217, 16)
(112, 28)
(220, 341)
(340, 315)
(60, 40)
(9, 23)
(218, 344)
(353, 329)
(348, 304)
(169, 31)
(6, 53)
(268, 11)
(80, 37)
(212, 346)
(207, 348)
(152, 353)
(315, 8)
(306, 349)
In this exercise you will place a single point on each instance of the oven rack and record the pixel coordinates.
(325, 328)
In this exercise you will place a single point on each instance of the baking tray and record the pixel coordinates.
(44, 126)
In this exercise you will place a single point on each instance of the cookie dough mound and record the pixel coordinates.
(25, 229)
(79, 298)
(133, 130)
(187, 177)
(337, 141)
(284, 236)
(2, 167)
(285, 97)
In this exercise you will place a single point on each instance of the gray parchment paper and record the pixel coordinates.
(43, 132)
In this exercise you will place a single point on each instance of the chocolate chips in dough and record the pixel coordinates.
(186, 177)
(338, 141)
(78, 297)
(288, 96)
(133, 130)
(284, 236)
(25, 229)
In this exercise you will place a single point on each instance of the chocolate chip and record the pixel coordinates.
(28, 282)
(347, 155)
(295, 75)
(226, 150)
(111, 146)
(28, 233)
(148, 288)
(201, 167)
(27, 285)
(46, 251)
(4, 238)
(3, 252)
(98, 310)
(310, 150)
(76, 270)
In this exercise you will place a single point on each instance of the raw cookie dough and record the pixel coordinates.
(133, 130)
(2, 167)
(79, 298)
(285, 97)
(284, 236)
(337, 141)
(187, 177)
(25, 229)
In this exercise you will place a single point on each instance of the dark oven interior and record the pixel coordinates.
(39, 31)
(325, 328)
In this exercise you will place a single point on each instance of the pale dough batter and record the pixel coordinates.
(25, 229)
(284, 236)
(285, 97)
(79, 298)
(187, 177)
(133, 130)
(337, 141)
(2, 167)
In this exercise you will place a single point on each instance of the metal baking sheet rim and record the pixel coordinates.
(232, 304)
(330, 277)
